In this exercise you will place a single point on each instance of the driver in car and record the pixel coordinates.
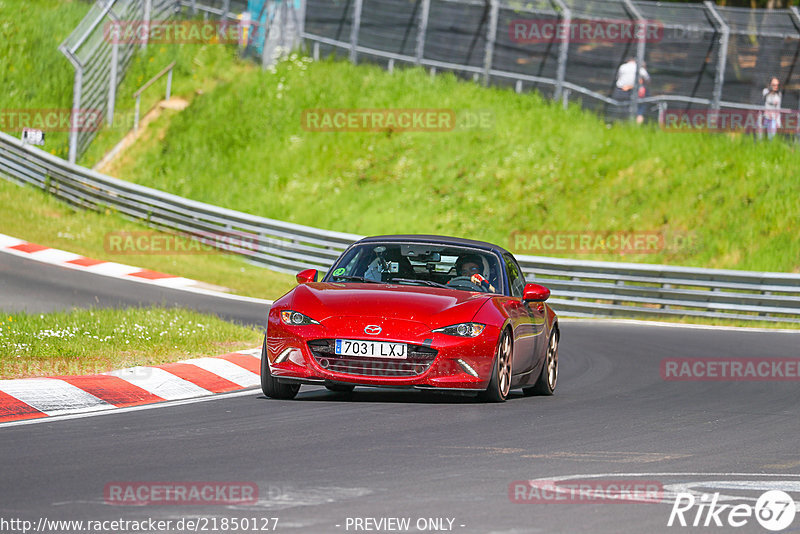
(471, 266)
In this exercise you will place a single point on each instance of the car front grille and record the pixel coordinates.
(419, 359)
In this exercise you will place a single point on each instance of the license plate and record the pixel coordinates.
(370, 349)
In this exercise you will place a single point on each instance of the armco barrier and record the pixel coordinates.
(580, 288)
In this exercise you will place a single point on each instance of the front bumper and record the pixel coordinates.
(435, 361)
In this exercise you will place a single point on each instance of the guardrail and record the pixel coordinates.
(138, 94)
(579, 288)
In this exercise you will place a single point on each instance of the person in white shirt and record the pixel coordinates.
(626, 78)
(772, 106)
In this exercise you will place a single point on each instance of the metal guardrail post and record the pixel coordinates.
(491, 37)
(77, 90)
(422, 31)
(112, 83)
(136, 112)
(563, 48)
(138, 94)
(355, 28)
(641, 24)
(148, 14)
(169, 84)
(114, 66)
(719, 78)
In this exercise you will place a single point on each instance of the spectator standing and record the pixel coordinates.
(772, 106)
(626, 78)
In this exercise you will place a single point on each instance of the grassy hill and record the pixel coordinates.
(537, 167)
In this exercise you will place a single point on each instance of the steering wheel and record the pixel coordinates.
(466, 283)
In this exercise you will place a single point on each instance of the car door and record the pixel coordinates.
(528, 319)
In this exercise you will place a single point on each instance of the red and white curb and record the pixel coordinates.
(32, 398)
(70, 260)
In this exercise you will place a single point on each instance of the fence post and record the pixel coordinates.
(355, 28)
(563, 48)
(77, 89)
(491, 37)
(112, 83)
(148, 13)
(719, 77)
(641, 24)
(422, 30)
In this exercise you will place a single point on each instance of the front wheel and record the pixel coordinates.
(269, 385)
(546, 384)
(500, 383)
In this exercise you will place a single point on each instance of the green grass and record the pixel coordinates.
(35, 75)
(32, 215)
(539, 167)
(100, 340)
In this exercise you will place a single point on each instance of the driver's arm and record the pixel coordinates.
(479, 280)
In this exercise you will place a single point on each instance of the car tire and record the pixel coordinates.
(500, 383)
(546, 384)
(339, 388)
(269, 385)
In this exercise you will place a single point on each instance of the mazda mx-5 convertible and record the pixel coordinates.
(413, 311)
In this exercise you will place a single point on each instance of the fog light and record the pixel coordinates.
(468, 368)
(324, 363)
(283, 356)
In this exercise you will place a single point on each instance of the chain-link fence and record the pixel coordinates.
(100, 61)
(697, 55)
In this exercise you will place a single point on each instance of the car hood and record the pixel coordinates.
(432, 306)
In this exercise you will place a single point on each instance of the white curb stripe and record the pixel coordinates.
(160, 383)
(113, 269)
(8, 241)
(255, 353)
(52, 255)
(52, 396)
(227, 370)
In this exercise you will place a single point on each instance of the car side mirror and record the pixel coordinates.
(535, 293)
(307, 276)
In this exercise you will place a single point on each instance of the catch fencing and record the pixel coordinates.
(698, 55)
(579, 288)
(100, 62)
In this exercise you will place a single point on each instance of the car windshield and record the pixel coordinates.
(451, 267)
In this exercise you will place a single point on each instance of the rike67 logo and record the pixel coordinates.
(774, 510)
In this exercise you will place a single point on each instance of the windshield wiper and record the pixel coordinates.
(357, 279)
(423, 282)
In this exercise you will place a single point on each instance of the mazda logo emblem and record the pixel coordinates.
(372, 330)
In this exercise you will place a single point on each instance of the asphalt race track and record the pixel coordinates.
(326, 459)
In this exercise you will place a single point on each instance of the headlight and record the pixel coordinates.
(294, 318)
(462, 330)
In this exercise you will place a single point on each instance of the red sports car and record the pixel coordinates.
(416, 311)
